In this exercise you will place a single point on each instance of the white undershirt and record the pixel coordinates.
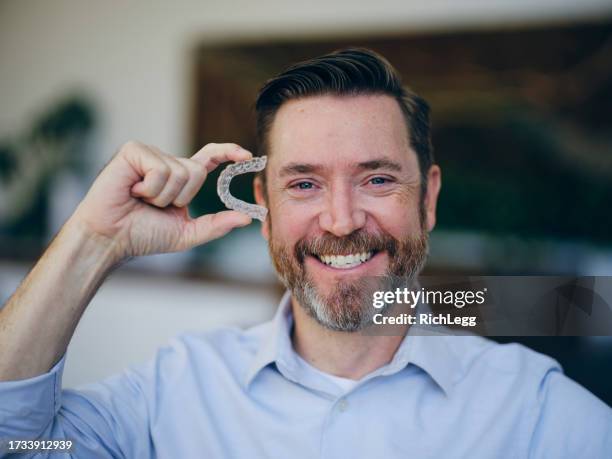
(345, 384)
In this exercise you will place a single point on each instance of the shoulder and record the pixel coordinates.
(227, 348)
(514, 365)
(502, 360)
(561, 415)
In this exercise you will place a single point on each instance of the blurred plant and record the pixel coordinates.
(55, 142)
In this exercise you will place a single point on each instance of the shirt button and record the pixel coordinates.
(342, 405)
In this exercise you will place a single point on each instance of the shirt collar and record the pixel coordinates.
(276, 336)
(431, 351)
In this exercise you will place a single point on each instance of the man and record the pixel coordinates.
(351, 190)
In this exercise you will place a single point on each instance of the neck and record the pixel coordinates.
(346, 354)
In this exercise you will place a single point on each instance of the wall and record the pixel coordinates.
(134, 57)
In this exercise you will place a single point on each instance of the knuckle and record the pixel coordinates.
(181, 175)
(196, 167)
(130, 145)
(164, 171)
(162, 154)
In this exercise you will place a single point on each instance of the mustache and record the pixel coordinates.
(357, 242)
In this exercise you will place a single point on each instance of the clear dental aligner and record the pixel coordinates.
(223, 186)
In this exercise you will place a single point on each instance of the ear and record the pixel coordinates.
(259, 193)
(434, 182)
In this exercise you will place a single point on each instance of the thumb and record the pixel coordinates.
(213, 226)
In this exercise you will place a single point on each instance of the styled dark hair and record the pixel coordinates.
(346, 72)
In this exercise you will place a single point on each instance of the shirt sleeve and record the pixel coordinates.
(107, 419)
(572, 422)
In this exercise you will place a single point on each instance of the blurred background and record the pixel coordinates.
(521, 95)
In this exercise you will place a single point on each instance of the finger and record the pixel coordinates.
(197, 175)
(179, 176)
(153, 170)
(213, 226)
(213, 154)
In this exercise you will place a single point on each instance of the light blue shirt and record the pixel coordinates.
(245, 394)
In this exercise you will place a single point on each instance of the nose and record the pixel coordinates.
(341, 215)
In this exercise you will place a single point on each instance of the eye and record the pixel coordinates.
(303, 185)
(379, 180)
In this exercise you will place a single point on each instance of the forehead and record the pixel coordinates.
(339, 129)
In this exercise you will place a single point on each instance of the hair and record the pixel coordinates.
(346, 72)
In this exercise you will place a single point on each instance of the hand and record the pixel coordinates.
(138, 203)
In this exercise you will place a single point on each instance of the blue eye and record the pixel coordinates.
(304, 185)
(378, 180)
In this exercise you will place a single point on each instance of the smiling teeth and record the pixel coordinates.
(345, 261)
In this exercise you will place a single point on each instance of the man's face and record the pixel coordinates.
(343, 197)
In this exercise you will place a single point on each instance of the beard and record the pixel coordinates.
(348, 306)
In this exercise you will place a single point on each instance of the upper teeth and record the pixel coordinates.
(345, 261)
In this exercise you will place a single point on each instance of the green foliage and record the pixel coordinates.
(511, 178)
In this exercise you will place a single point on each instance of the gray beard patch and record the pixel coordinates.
(349, 308)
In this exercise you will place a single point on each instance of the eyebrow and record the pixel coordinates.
(380, 163)
(299, 168)
(306, 168)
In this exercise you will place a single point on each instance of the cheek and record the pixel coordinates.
(396, 216)
(290, 222)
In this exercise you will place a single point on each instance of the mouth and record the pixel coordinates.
(347, 261)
